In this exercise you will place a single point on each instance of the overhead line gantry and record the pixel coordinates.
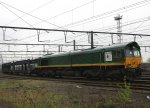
(73, 31)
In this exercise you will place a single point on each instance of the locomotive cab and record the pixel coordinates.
(133, 59)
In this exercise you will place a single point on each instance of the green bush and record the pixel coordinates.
(125, 93)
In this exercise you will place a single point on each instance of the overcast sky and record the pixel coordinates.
(92, 15)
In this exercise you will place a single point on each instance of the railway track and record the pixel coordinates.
(142, 84)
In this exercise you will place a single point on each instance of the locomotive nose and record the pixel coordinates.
(133, 62)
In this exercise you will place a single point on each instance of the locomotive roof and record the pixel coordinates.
(114, 46)
(122, 45)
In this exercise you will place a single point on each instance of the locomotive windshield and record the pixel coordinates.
(132, 52)
(136, 53)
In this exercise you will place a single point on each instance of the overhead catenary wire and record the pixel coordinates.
(41, 6)
(76, 38)
(41, 19)
(141, 20)
(22, 11)
(17, 15)
(78, 31)
(109, 13)
(125, 24)
(42, 44)
(71, 10)
(100, 15)
(28, 14)
(135, 3)
(71, 31)
(111, 28)
(137, 21)
(132, 5)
